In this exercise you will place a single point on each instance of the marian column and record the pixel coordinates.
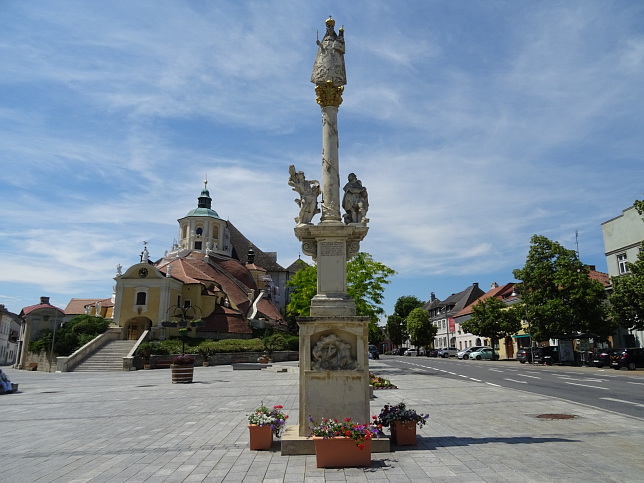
(334, 367)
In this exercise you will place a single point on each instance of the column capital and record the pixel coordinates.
(329, 95)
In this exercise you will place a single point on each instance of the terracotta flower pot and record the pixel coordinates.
(403, 433)
(261, 437)
(341, 452)
(182, 374)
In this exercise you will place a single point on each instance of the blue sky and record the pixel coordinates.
(473, 124)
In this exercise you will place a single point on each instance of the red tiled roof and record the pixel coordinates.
(602, 277)
(226, 320)
(501, 292)
(31, 308)
(77, 306)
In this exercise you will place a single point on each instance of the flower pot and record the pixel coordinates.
(341, 452)
(182, 374)
(403, 433)
(261, 437)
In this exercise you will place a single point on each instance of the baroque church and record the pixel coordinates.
(213, 280)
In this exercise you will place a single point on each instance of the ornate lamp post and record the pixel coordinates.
(183, 318)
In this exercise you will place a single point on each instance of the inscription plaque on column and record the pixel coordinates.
(332, 272)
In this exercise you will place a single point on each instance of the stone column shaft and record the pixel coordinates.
(330, 165)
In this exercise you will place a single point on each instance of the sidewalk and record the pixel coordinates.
(138, 426)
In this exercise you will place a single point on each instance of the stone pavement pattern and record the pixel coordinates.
(138, 426)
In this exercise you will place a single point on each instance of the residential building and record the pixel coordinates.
(623, 238)
(442, 313)
(507, 347)
(9, 333)
(36, 319)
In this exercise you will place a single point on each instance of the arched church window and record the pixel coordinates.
(141, 298)
(199, 231)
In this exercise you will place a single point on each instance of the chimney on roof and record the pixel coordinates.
(44, 300)
(432, 297)
(592, 268)
(251, 255)
(475, 285)
(494, 285)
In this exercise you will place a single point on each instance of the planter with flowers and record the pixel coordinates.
(342, 443)
(402, 423)
(263, 423)
(182, 368)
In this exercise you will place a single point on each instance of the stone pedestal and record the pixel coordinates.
(334, 369)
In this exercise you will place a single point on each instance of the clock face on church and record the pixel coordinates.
(143, 272)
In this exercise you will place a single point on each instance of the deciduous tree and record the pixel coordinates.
(558, 296)
(421, 330)
(366, 280)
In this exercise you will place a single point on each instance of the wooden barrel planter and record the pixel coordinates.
(182, 374)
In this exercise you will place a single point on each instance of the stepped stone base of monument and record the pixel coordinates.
(294, 444)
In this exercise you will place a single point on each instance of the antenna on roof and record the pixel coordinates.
(577, 242)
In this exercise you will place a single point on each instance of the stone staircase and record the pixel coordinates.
(108, 358)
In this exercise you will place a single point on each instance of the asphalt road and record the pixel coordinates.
(619, 391)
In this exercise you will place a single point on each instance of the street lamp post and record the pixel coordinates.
(53, 341)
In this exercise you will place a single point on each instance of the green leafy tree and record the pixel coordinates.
(303, 288)
(375, 334)
(421, 330)
(405, 304)
(558, 296)
(366, 280)
(396, 323)
(492, 319)
(71, 336)
(396, 329)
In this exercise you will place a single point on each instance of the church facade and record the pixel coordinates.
(201, 283)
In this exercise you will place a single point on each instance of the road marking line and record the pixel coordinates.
(495, 370)
(586, 385)
(518, 382)
(628, 382)
(461, 375)
(492, 384)
(477, 380)
(622, 401)
(527, 375)
(586, 379)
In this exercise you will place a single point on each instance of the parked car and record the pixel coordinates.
(486, 353)
(415, 352)
(432, 353)
(631, 358)
(447, 352)
(373, 352)
(465, 353)
(603, 357)
(524, 354)
(548, 355)
(398, 352)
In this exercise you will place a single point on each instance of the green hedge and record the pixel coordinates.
(276, 342)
